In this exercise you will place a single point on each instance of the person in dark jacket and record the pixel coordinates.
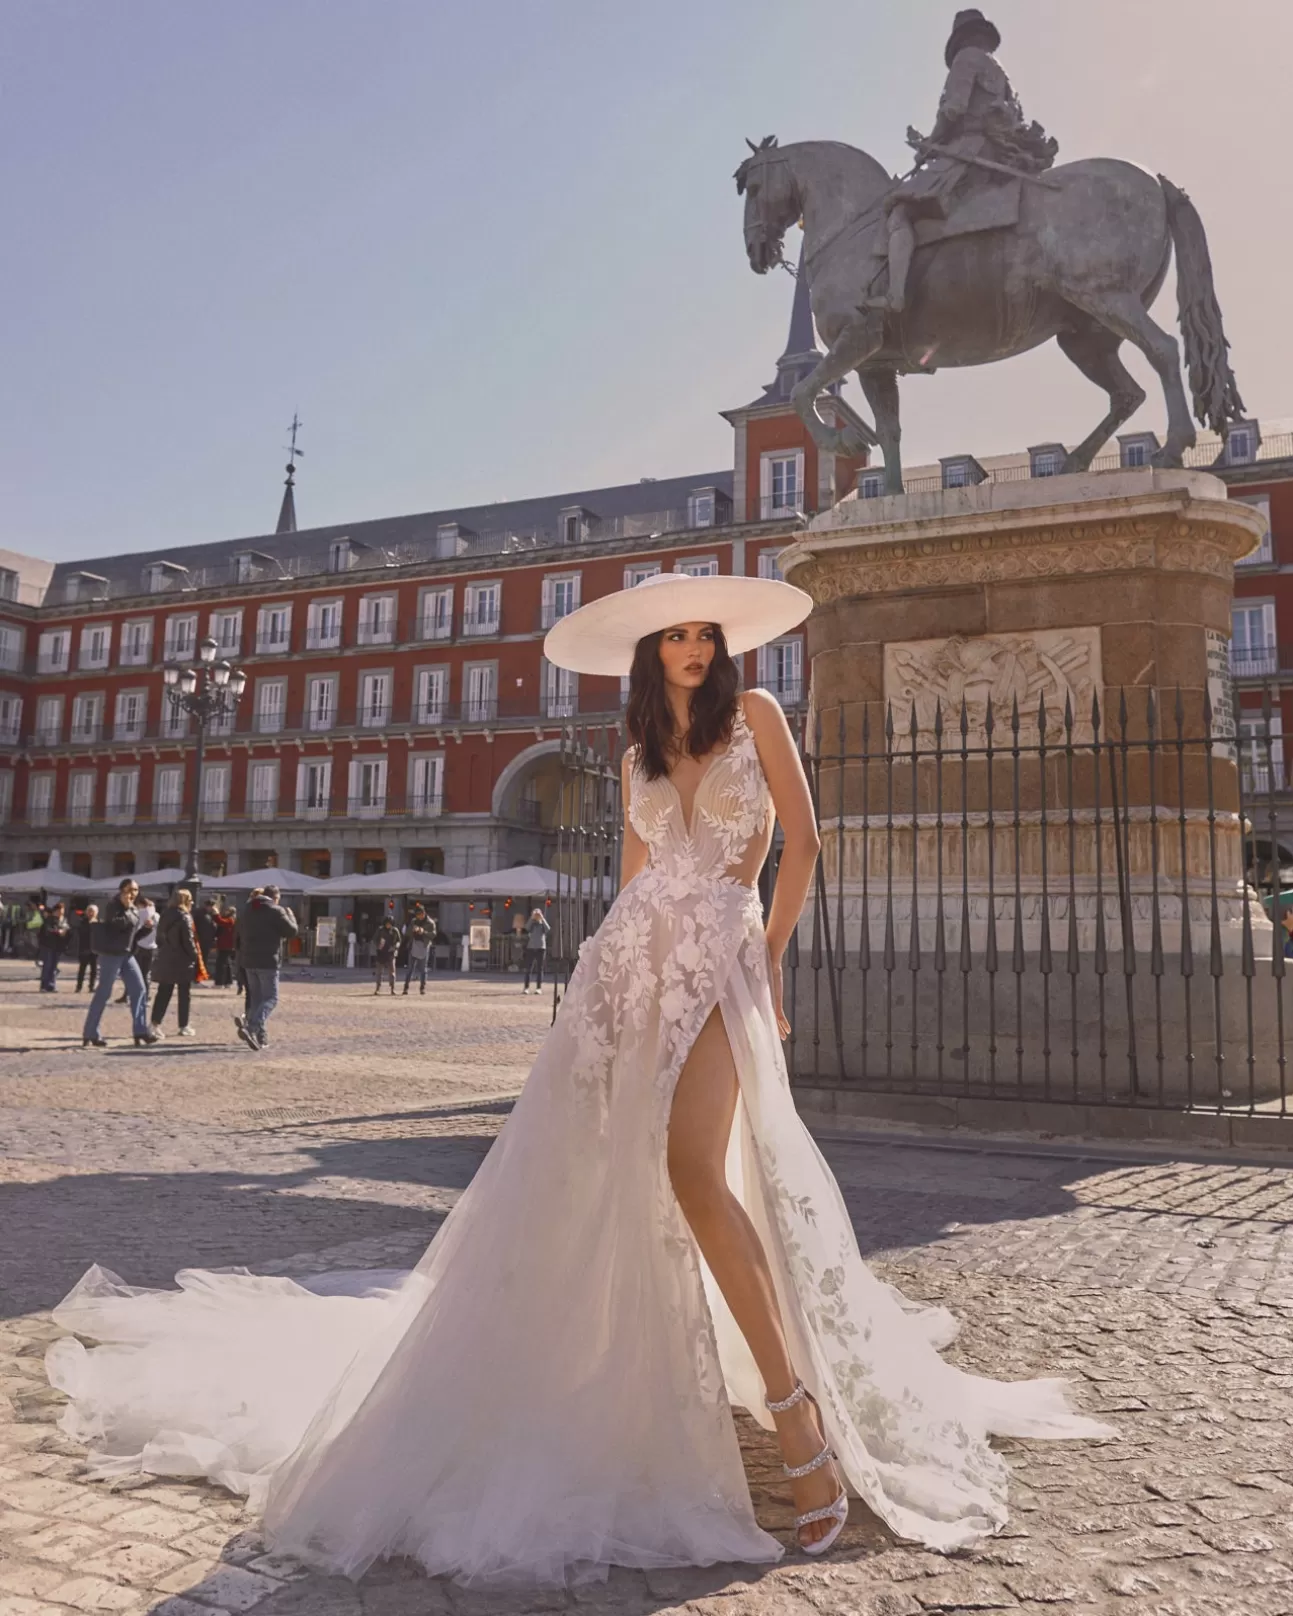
(225, 925)
(419, 940)
(263, 927)
(386, 945)
(55, 934)
(113, 936)
(175, 963)
(204, 925)
(87, 959)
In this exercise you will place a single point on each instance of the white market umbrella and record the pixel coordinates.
(249, 880)
(522, 881)
(168, 876)
(388, 884)
(51, 876)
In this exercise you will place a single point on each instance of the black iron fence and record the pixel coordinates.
(1017, 902)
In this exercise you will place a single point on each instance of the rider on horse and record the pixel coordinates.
(979, 116)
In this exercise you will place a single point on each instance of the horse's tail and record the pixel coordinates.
(1212, 382)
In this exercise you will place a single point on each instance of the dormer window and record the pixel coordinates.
(1241, 445)
(8, 584)
(159, 576)
(248, 565)
(870, 485)
(84, 586)
(1047, 459)
(451, 539)
(1135, 454)
(1136, 450)
(573, 524)
(341, 555)
(962, 471)
(708, 507)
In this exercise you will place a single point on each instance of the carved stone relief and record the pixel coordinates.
(1057, 664)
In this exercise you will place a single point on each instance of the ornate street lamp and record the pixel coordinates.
(209, 691)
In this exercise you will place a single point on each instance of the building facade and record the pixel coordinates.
(398, 708)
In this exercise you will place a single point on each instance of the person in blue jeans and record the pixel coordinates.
(263, 927)
(113, 937)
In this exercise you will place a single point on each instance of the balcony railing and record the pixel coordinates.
(481, 623)
(1259, 661)
(179, 650)
(273, 644)
(318, 639)
(52, 662)
(379, 633)
(262, 807)
(10, 658)
(132, 730)
(313, 810)
(86, 732)
(553, 612)
(366, 807)
(434, 626)
(423, 806)
(90, 661)
(48, 734)
(789, 692)
(80, 813)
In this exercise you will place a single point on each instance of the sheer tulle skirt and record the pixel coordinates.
(549, 1393)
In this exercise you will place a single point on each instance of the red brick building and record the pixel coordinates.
(398, 708)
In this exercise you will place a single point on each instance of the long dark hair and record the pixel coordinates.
(650, 718)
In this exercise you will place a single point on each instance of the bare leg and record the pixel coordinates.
(700, 1125)
(1093, 348)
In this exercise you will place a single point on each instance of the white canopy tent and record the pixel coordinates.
(396, 883)
(52, 877)
(522, 881)
(147, 880)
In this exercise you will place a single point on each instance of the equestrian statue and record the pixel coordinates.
(984, 250)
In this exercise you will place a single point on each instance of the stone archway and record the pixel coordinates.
(529, 787)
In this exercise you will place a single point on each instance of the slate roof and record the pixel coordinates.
(628, 507)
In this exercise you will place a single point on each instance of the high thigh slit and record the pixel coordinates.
(549, 1393)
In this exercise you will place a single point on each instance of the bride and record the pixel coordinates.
(653, 1239)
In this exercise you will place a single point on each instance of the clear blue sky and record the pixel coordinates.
(494, 250)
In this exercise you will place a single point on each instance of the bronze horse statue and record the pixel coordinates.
(1085, 260)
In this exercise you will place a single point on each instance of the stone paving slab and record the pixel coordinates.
(1162, 1288)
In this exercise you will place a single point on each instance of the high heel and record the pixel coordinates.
(839, 1510)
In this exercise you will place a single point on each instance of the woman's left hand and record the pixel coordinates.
(774, 974)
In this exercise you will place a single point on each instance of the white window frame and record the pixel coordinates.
(313, 803)
(474, 621)
(175, 721)
(479, 707)
(377, 619)
(1249, 658)
(271, 706)
(768, 564)
(168, 804)
(215, 791)
(639, 571)
(698, 566)
(561, 595)
(87, 717)
(435, 612)
(1135, 456)
(8, 584)
(1245, 453)
(125, 728)
(560, 690)
(368, 787)
(341, 555)
(870, 485)
(321, 715)
(11, 704)
(262, 804)
(82, 789)
(96, 646)
(1257, 767)
(431, 694)
(701, 510)
(40, 797)
(1264, 554)
(777, 500)
(49, 720)
(772, 659)
(426, 784)
(135, 647)
(54, 651)
(226, 630)
(274, 629)
(319, 637)
(1048, 464)
(121, 796)
(376, 686)
(6, 796)
(181, 639)
(12, 643)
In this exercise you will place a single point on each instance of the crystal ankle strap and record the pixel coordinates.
(796, 1396)
(823, 1458)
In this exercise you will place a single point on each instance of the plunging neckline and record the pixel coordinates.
(714, 757)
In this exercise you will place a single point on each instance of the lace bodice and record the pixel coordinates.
(731, 813)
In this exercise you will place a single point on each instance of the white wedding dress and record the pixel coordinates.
(549, 1392)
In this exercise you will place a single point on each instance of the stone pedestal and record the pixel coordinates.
(1035, 622)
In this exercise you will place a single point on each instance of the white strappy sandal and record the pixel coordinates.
(839, 1510)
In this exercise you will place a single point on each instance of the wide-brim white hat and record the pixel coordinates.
(602, 636)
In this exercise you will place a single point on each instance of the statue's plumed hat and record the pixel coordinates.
(601, 637)
(967, 22)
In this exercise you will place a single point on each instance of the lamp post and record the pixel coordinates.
(207, 690)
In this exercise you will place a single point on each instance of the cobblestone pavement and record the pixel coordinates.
(1164, 1288)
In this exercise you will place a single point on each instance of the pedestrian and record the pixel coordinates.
(226, 921)
(145, 941)
(176, 962)
(204, 925)
(113, 937)
(263, 927)
(55, 934)
(536, 948)
(1286, 920)
(419, 937)
(33, 920)
(386, 945)
(87, 959)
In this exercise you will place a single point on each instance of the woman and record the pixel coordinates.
(226, 921)
(53, 940)
(175, 963)
(653, 1238)
(536, 948)
(87, 959)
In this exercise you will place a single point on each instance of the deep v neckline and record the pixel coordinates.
(715, 757)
